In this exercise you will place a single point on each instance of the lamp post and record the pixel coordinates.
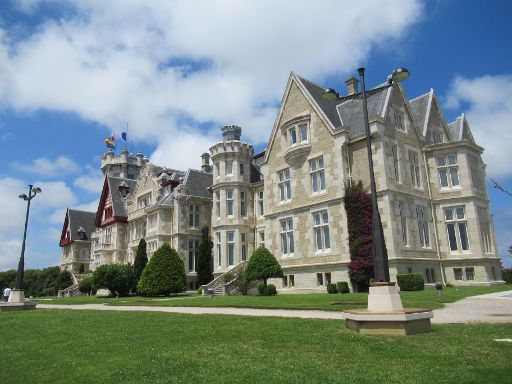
(17, 295)
(379, 253)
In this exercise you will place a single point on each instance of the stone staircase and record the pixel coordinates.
(225, 284)
(73, 289)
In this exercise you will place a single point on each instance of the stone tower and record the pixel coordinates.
(232, 216)
(124, 165)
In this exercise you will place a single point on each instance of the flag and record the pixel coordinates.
(111, 142)
(123, 136)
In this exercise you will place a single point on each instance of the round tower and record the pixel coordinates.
(232, 199)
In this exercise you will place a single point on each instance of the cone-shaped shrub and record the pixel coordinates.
(262, 266)
(140, 262)
(164, 274)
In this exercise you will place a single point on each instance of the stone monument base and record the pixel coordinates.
(386, 316)
(17, 302)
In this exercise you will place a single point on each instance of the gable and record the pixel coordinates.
(65, 237)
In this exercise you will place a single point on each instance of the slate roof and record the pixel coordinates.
(419, 107)
(347, 114)
(255, 173)
(81, 219)
(197, 183)
(455, 128)
(118, 207)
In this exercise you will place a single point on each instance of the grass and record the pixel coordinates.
(323, 301)
(57, 346)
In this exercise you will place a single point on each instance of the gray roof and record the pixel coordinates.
(118, 207)
(80, 219)
(255, 173)
(419, 106)
(197, 183)
(455, 129)
(347, 114)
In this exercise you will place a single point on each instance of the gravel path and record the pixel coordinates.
(491, 308)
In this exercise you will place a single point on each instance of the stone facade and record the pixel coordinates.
(430, 182)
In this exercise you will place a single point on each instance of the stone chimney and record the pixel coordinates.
(352, 85)
(231, 132)
(205, 167)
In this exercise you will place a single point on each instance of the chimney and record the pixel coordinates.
(352, 85)
(231, 132)
(205, 167)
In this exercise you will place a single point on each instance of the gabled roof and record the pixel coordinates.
(77, 219)
(420, 107)
(459, 129)
(347, 114)
(110, 187)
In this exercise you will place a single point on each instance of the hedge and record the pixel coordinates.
(342, 287)
(331, 288)
(507, 275)
(411, 282)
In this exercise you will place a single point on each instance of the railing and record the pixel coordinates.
(69, 291)
(220, 283)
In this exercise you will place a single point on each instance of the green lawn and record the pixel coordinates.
(57, 346)
(420, 299)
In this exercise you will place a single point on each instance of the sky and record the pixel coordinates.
(72, 73)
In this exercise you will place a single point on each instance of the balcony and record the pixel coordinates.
(297, 153)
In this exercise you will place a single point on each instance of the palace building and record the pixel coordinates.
(430, 182)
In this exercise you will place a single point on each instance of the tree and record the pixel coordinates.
(358, 207)
(87, 285)
(141, 260)
(204, 258)
(164, 274)
(65, 280)
(81, 269)
(117, 278)
(262, 265)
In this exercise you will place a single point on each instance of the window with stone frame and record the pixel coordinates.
(298, 133)
(229, 202)
(456, 228)
(448, 171)
(284, 184)
(152, 221)
(470, 273)
(230, 245)
(321, 230)
(241, 169)
(287, 241)
(217, 204)
(261, 211)
(243, 204)
(261, 238)
(108, 235)
(219, 249)
(193, 216)
(144, 201)
(396, 162)
(403, 224)
(398, 121)
(457, 273)
(423, 231)
(437, 137)
(317, 174)
(229, 167)
(291, 280)
(193, 248)
(319, 279)
(243, 241)
(414, 167)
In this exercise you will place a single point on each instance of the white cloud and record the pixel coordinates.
(91, 181)
(9, 253)
(489, 113)
(157, 64)
(43, 166)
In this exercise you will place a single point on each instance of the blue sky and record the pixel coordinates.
(72, 73)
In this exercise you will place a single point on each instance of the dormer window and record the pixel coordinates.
(144, 201)
(398, 121)
(81, 234)
(298, 133)
(437, 137)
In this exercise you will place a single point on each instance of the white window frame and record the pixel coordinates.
(230, 248)
(243, 242)
(229, 202)
(241, 169)
(243, 204)
(446, 164)
(317, 175)
(217, 204)
(194, 213)
(193, 248)
(298, 133)
(457, 218)
(229, 168)
(321, 230)
(261, 210)
(219, 249)
(396, 162)
(403, 224)
(287, 236)
(261, 238)
(284, 185)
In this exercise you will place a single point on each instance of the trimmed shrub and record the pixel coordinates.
(267, 290)
(117, 278)
(342, 287)
(331, 288)
(411, 282)
(507, 275)
(262, 266)
(87, 286)
(164, 274)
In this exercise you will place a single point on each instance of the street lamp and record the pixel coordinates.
(379, 253)
(17, 294)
